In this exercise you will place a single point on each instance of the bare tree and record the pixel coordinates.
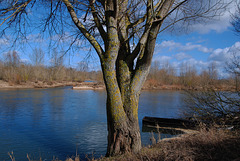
(236, 19)
(233, 67)
(37, 57)
(12, 59)
(83, 66)
(123, 34)
(188, 75)
(11, 63)
(212, 71)
(57, 67)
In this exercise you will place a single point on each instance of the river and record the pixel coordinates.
(60, 122)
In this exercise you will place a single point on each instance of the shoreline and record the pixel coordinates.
(35, 85)
(75, 86)
(96, 86)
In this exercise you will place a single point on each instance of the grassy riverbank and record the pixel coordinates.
(206, 144)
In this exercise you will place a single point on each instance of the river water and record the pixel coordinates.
(60, 122)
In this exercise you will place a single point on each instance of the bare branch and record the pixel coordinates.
(98, 22)
(84, 31)
(18, 9)
(236, 20)
(176, 7)
(139, 21)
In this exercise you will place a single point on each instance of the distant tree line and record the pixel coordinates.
(14, 71)
(188, 76)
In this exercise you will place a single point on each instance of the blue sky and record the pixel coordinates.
(204, 44)
(198, 49)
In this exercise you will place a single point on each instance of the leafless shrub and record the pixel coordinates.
(222, 107)
(212, 105)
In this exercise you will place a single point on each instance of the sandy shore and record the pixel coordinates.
(89, 86)
(41, 84)
(94, 86)
(76, 85)
(37, 84)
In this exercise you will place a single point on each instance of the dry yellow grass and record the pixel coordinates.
(207, 144)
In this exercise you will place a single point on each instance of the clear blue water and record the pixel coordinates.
(59, 122)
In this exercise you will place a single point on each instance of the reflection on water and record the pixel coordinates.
(58, 122)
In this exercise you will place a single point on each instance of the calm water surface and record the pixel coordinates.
(59, 122)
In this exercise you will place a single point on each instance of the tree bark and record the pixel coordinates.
(125, 137)
(122, 115)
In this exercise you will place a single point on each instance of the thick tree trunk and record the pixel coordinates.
(126, 137)
(123, 82)
(122, 115)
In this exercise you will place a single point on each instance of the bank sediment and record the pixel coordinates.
(93, 85)
(36, 84)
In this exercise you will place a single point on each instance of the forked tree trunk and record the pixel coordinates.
(123, 78)
(122, 115)
(123, 81)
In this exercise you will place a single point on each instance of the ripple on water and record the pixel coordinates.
(60, 121)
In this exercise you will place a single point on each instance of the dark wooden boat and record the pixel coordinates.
(168, 122)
